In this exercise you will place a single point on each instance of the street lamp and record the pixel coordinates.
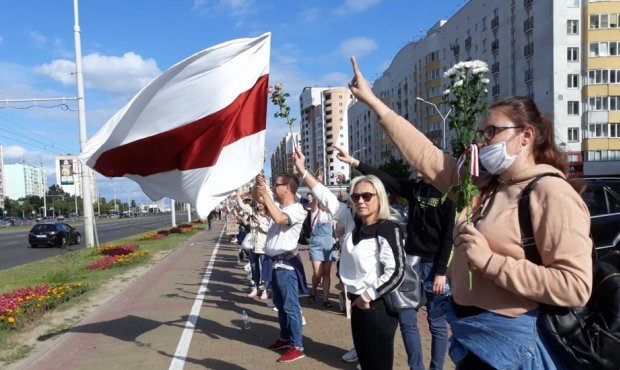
(444, 118)
(357, 151)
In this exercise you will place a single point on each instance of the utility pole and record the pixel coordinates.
(89, 229)
(173, 212)
(44, 191)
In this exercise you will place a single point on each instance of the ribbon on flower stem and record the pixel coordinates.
(474, 169)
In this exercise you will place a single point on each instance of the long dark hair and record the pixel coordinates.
(522, 111)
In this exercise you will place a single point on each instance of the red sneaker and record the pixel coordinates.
(279, 344)
(291, 354)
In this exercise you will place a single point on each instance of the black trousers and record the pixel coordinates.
(373, 336)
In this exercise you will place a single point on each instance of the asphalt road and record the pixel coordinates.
(15, 250)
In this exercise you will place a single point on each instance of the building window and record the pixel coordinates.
(573, 108)
(573, 134)
(572, 27)
(614, 130)
(572, 54)
(572, 3)
(604, 49)
(484, 23)
(597, 130)
(597, 103)
(573, 81)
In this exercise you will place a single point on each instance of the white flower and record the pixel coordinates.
(446, 91)
(486, 91)
(485, 81)
(458, 83)
(479, 70)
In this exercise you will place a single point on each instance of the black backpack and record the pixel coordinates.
(585, 337)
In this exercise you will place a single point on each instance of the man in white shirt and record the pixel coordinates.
(281, 250)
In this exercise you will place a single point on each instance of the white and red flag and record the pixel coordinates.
(196, 132)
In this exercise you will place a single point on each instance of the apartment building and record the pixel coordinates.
(324, 123)
(563, 54)
(69, 175)
(23, 180)
(281, 159)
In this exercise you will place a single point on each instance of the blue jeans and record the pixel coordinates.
(437, 324)
(284, 286)
(501, 341)
(256, 263)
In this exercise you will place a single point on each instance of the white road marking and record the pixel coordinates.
(178, 362)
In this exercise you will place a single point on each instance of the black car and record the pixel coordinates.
(57, 234)
(602, 196)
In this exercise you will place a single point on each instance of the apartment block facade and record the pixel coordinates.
(2, 183)
(23, 180)
(281, 159)
(324, 123)
(564, 54)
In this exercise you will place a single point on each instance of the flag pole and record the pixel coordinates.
(89, 230)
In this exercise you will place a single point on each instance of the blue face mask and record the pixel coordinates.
(495, 158)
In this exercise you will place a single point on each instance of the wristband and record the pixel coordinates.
(303, 177)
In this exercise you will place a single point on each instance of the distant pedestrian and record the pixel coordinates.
(287, 273)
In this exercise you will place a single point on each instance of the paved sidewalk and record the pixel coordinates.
(141, 327)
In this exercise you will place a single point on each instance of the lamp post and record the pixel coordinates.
(444, 118)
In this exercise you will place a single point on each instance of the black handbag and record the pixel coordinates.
(587, 338)
(410, 293)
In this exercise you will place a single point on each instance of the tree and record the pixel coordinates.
(396, 168)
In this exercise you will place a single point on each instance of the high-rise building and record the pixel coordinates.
(563, 54)
(23, 180)
(324, 123)
(281, 159)
(69, 175)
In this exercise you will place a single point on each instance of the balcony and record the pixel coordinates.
(529, 75)
(494, 22)
(527, 3)
(495, 46)
(468, 43)
(528, 25)
(495, 68)
(528, 50)
(495, 90)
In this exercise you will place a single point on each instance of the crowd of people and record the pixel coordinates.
(478, 280)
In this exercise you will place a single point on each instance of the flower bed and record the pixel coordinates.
(114, 250)
(118, 260)
(152, 236)
(163, 232)
(24, 305)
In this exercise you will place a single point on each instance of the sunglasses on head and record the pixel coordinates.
(366, 197)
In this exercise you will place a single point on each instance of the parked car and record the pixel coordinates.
(57, 234)
(602, 196)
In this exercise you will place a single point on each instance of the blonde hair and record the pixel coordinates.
(384, 203)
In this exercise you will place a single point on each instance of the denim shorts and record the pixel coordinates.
(321, 249)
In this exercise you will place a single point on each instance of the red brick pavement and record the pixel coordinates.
(140, 328)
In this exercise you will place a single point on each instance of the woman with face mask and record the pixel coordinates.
(493, 320)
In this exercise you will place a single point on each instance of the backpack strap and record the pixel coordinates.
(525, 219)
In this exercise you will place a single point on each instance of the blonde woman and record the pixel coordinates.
(372, 263)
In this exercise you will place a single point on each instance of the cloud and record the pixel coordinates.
(37, 37)
(357, 46)
(112, 74)
(355, 6)
(12, 152)
(309, 16)
(335, 79)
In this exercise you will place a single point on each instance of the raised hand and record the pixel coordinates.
(343, 156)
(300, 160)
(359, 86)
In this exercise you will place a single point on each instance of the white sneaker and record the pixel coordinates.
(358, 367)
(264, 295)
(303, 320)
(350, 356)
(253, 293)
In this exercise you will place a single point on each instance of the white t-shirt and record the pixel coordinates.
(283, 238)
